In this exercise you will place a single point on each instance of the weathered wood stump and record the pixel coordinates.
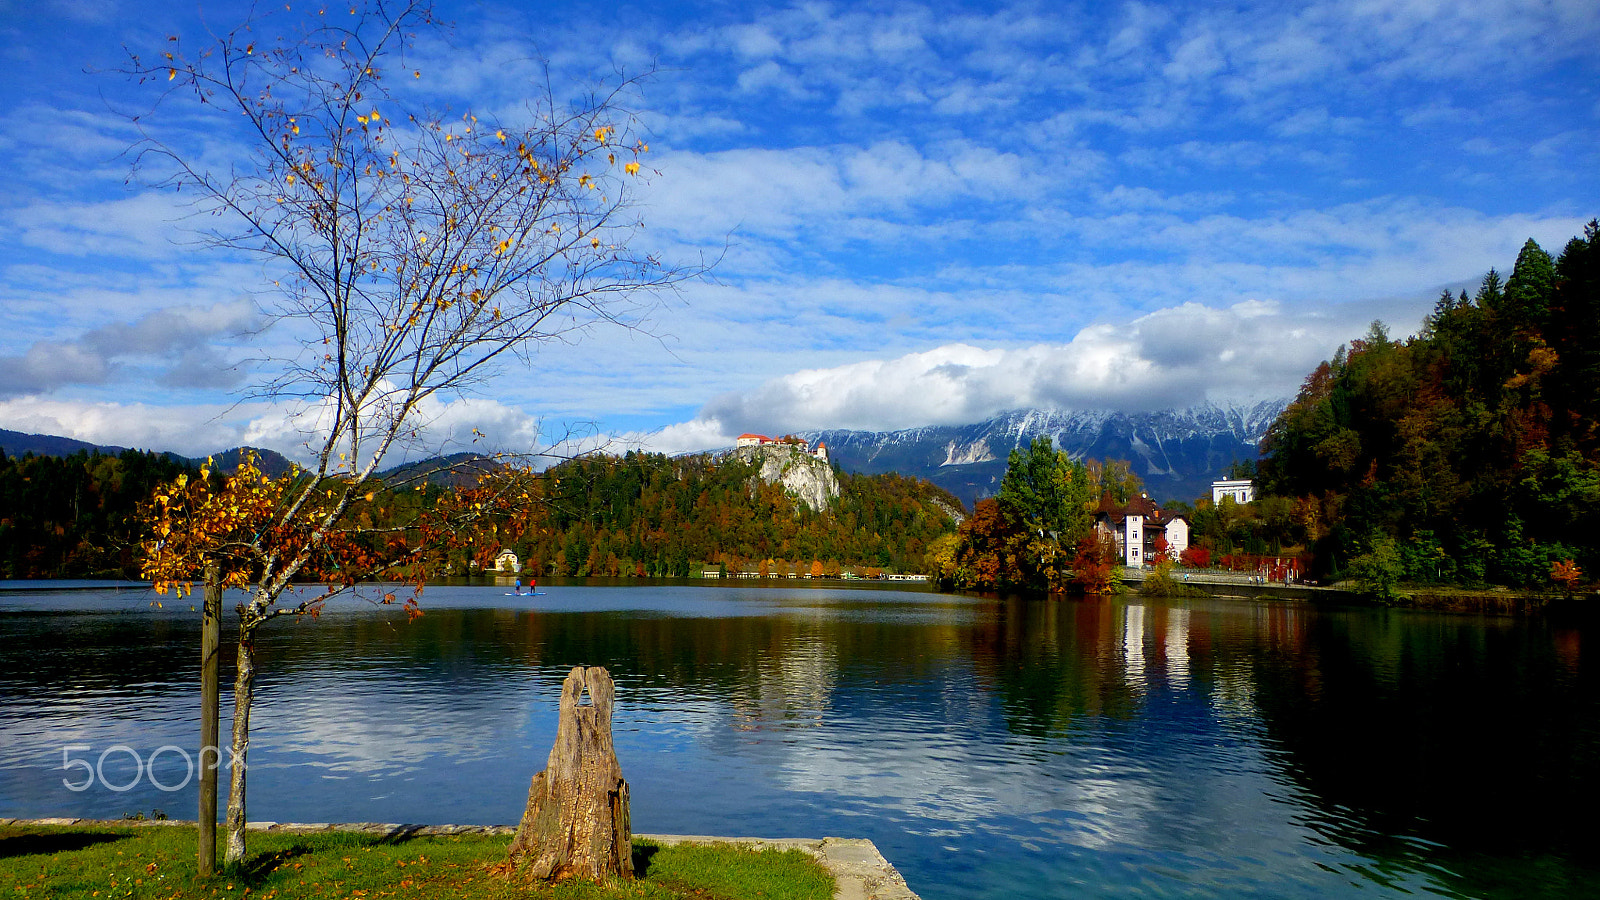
(576, 822)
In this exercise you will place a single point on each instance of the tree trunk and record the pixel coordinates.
(210, 755)
(243, 694)
(576, 823)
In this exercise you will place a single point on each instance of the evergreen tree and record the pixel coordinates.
(1529, 290)
(1575, 323)
(1472, 446)
(1047, 490)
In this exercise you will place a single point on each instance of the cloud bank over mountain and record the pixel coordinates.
(1169, 359)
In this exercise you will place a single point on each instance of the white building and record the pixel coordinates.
(1242, 491)
(506, 561)
(1136, 527)
(751, 439)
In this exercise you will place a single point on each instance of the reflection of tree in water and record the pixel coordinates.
(1440, 741)
(93, 654)
(1058, 662)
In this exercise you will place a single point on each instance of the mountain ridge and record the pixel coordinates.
(18, 443)
(1177, 452)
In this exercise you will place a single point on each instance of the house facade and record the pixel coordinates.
(1137, 525)
(1241, 490)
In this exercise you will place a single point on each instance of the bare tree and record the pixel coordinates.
(412, 250)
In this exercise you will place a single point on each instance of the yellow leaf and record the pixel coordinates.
(171, 74)
(594, 242)
(632, 168)
(501, 135)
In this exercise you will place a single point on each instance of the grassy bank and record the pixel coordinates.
(159, 863)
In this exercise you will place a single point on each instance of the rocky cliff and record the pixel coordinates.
(806, 478)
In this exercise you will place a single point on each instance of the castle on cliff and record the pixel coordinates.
(757, 440)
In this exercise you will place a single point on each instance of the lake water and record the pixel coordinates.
(991, 749)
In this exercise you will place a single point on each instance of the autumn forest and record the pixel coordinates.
(1466, 454)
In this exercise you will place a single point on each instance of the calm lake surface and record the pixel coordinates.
(1103, 748)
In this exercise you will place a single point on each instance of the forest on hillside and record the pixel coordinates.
(646, 514)
(72, 516)
(1467, 454)
(635, 515)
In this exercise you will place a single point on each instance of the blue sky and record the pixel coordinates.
(926, 213)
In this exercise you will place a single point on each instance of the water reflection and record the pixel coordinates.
(991, 748)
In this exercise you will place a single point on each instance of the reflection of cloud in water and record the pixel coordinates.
(903, 763)
(33, 733)
(365, 726)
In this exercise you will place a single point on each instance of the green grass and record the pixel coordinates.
(159, 862)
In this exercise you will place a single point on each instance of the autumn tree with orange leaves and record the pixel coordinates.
(410, 250)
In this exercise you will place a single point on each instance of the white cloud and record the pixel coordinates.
(770, 76)
(778, 193)
(190, 430)
(684, 437)
(177, 338)
(1197, 58)
(48, 365)
(440, 426)
(753, 42)
(141, 226)
(1174, 357)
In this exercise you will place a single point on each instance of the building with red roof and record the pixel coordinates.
(1136, 525)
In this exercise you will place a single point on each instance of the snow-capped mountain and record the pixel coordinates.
(1177, 452)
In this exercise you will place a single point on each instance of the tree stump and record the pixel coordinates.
(576, 822)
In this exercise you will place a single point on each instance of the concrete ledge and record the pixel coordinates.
(859, 871)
